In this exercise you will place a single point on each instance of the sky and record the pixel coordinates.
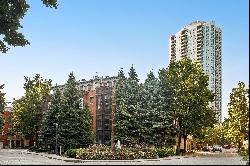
(89, 36)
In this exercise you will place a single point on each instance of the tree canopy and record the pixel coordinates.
(74, 120)
(11, 12)
(189, 88)
(237, 123)
(142, 114)
(28, 111)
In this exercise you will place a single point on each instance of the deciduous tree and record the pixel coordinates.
(191, 95)
(29, 109)
(238, 111)
(11, 12)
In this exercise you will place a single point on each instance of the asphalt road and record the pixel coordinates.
(23, 157)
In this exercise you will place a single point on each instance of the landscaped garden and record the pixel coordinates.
(102, 152)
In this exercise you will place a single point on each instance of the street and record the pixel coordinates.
(23, 157)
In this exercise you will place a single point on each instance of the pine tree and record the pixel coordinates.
(128, 105)
(157, 118)
(121, 116)
(49, 129)
(134, 109)
(75, 121)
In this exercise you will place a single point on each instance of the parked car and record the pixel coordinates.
(217, 148)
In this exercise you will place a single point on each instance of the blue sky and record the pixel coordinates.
(89, 36)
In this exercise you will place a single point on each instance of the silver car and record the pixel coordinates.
(217, 148)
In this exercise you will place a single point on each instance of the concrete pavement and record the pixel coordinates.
(24, 157)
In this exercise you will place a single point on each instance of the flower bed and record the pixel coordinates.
(101, 152)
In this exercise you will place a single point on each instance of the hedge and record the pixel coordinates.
(101, 152)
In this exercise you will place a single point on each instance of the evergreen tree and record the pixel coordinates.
(134, 108)
(49, 129)
(157, 118)
(74, 128)
(120, 116)
(128, 105)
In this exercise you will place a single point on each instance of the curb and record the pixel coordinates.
(79, 160)
(151, 160)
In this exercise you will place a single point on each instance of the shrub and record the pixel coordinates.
(102, 152)
(38, 149)
(33, 148)
(164, 152)
(71, 153)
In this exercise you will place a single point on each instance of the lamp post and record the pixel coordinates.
(56, 137)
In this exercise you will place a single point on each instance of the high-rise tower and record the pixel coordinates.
(201, 41)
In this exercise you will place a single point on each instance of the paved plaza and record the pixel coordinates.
(23, 157)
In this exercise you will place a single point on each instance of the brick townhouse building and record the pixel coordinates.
(6, 140)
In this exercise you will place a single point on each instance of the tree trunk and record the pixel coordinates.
(185, 140)
(178, 150)
(36, 139)
(240, 144)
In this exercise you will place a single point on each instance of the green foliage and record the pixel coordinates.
(142, 112)
(12, 11)
(127, 119)
(72, 153)
(100, 152)
(216, 135)
(245, 154)
(38, 149)
(157, 117)
(49, 128)
(2, 105)
(188, 86)
(164, 152)
(238, 111)
(75, 121)
(28, 111)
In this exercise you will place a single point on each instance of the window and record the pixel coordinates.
(91, 99)
(106, 139)
(99, 122)
(106, 124)
(98, 103)
(99, 140)
(89, 87)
